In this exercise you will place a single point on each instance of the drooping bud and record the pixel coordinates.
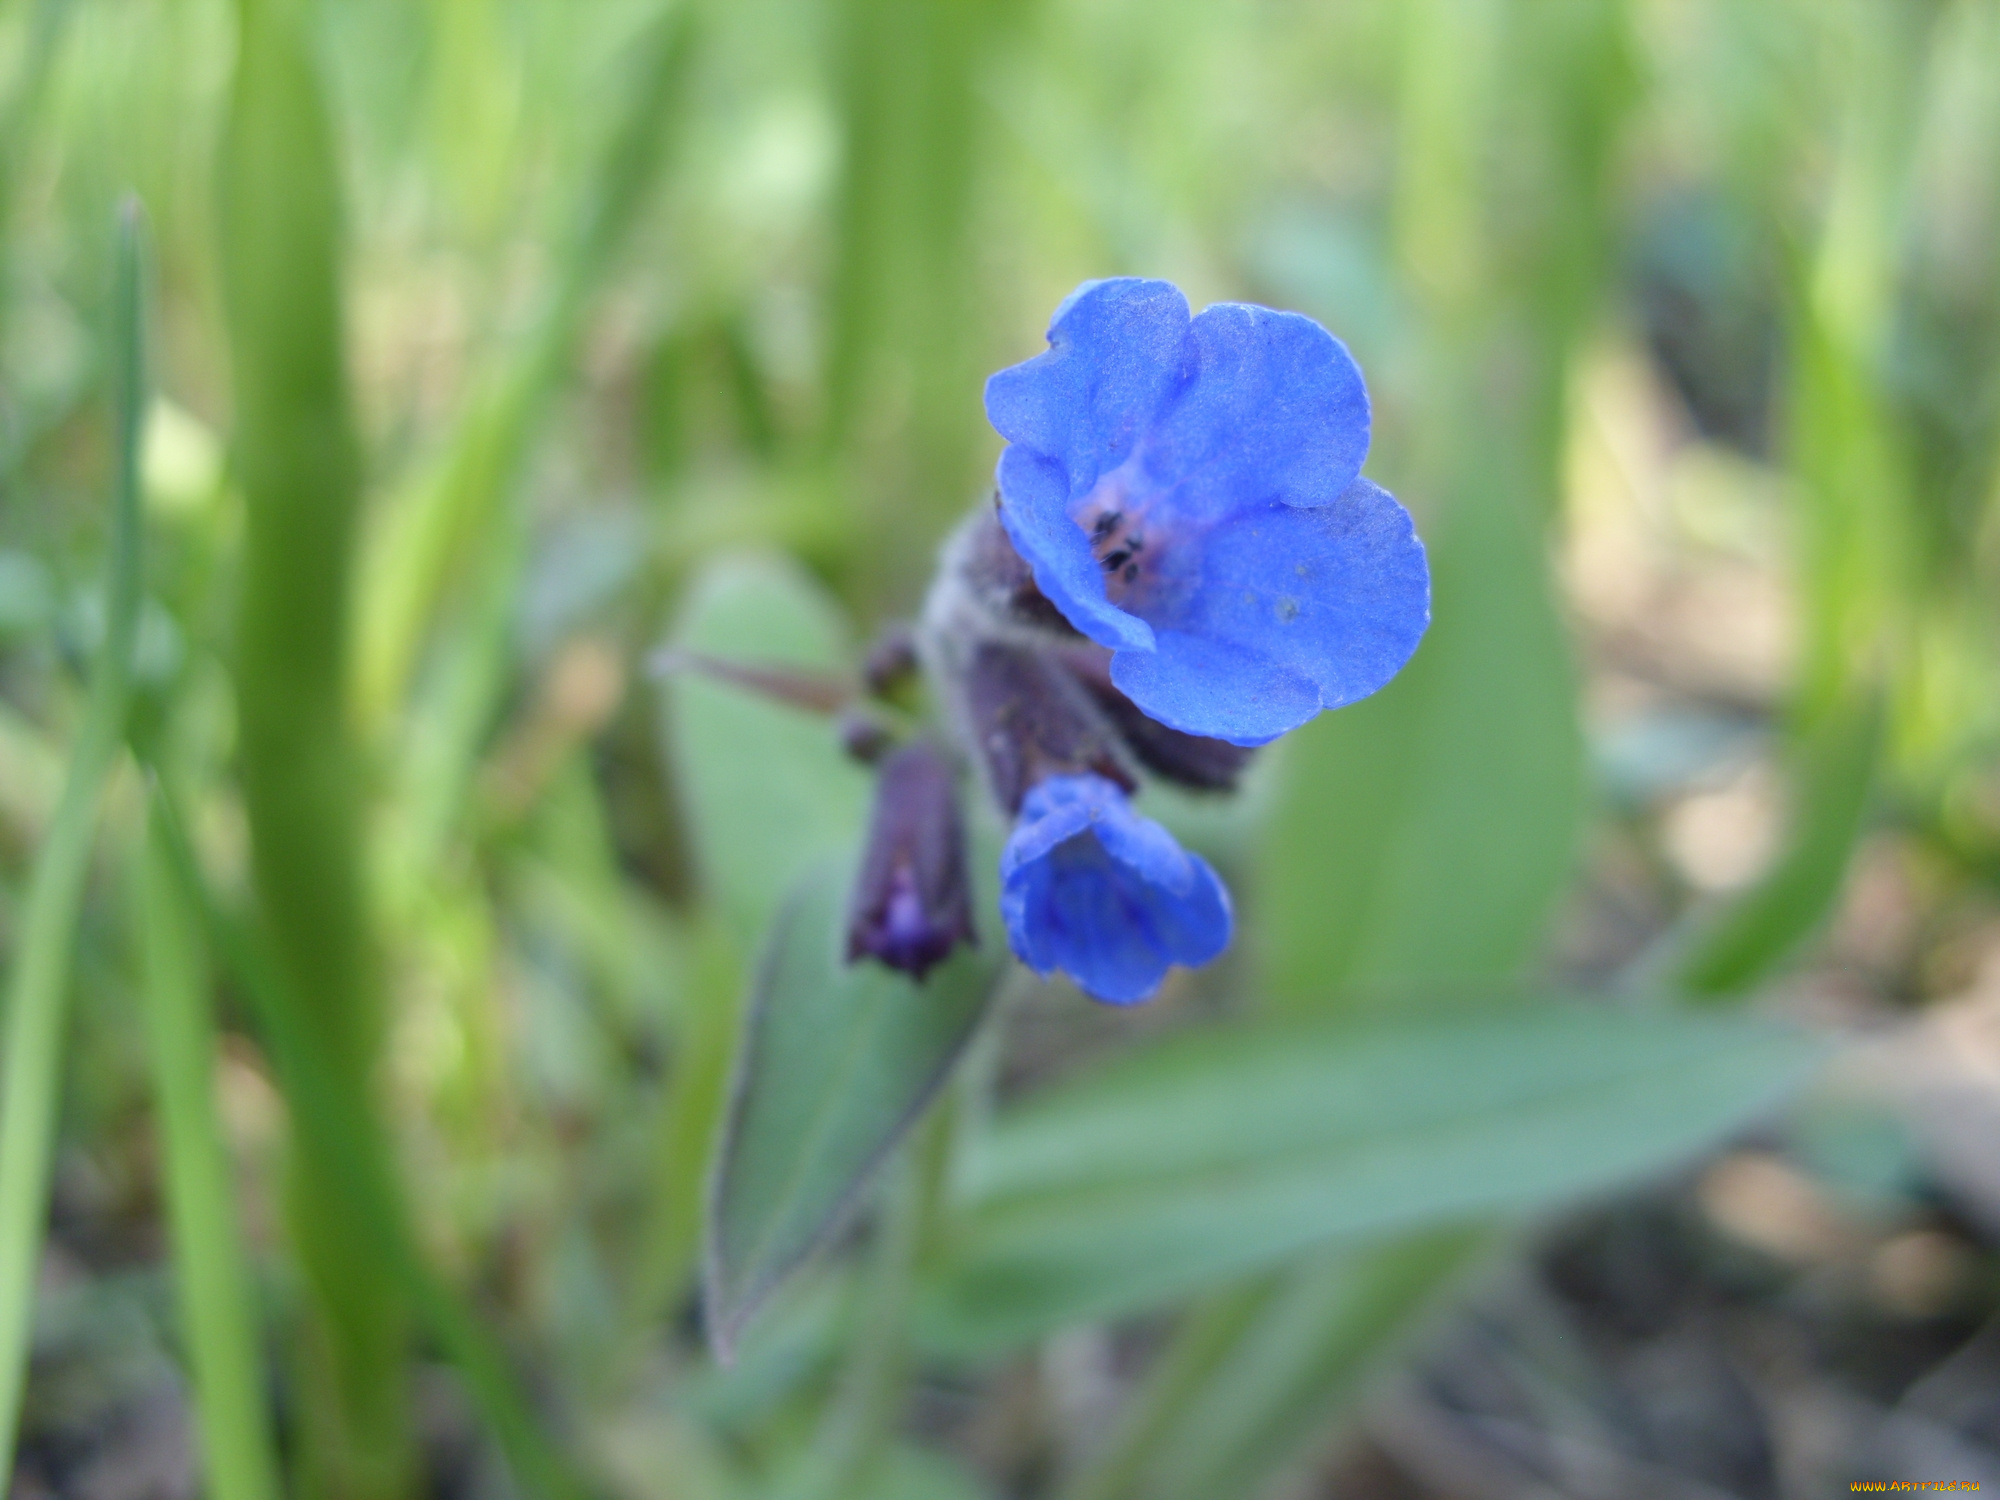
(1032, 720)
(1204, 765)
(912, 901)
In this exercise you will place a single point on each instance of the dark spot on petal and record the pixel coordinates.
(1113, 561)
(1131, 571)
(1106, 523)
(1288, 610)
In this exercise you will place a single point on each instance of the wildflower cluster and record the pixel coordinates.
(1182, 563)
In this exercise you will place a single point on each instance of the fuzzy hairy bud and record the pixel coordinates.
(1031, 720)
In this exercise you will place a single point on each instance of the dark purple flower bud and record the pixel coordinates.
(1205, 765)
(912, 903)
(863, 736)
(891, 660)
(1032, 720)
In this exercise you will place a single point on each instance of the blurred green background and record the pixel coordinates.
(378, 933)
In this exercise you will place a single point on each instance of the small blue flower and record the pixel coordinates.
(1188, 493)
(1090, 887)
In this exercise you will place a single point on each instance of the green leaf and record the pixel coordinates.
(298, 460)
(837, 1063)
(766, 789)
(904, 310)
(1226, 1151)
(1425, 832)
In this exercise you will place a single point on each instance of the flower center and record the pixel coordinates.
(1117, 541)
(1125, 545)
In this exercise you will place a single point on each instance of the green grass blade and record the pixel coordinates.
(217, 1312)
(300, 469)
(1178, 1377)
(1850, 457)
(1309, 1349)
(38, 984)
(904, 295)
(1250, 1375)
(363, 1196)
(1835, 769)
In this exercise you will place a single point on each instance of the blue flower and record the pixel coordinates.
(1090, 887)
(1188, 493)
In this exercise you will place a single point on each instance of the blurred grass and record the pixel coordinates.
(217, 1302)
(299, 463)
(508, 313)
(360, 1190)
(39, 974)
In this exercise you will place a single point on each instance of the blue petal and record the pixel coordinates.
(1054, 811)
(1148, 851)
(1035, 511)
(1274, 410)
(1295, 611)
(1091, 888)
(1215, 689)
(1117, 349)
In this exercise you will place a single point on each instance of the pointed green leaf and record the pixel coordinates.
(838, 1061)
(1225, 1151)
(1425, 832)
(765, 787)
